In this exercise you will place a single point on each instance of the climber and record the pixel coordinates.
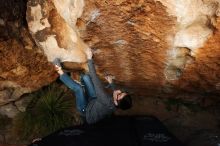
(92, 101)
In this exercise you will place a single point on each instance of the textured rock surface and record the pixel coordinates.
(23, 67)
(52, 25)
(165, 52)
(9, 110)
(133, 40)
(196, 21)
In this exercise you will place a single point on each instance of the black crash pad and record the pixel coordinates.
(115, 131)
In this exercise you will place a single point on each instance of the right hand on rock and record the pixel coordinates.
(59, 70)
(109, 78)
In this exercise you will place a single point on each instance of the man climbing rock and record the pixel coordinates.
(92, 101)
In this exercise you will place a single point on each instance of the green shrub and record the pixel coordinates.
(48, 111)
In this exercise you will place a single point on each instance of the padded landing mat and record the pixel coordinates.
(116, 131)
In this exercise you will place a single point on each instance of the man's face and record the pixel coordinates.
(118, 95)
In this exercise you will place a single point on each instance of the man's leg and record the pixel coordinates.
(89, 87)
(81, 101)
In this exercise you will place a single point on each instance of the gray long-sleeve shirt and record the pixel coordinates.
(103, 105)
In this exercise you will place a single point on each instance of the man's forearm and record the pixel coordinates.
(112, 86)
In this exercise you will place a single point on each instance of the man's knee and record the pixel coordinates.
(78, 88)
(85, 77)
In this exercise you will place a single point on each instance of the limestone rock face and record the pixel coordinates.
(130, 39)
(9, 110)
(52, 25)
(166, 53)
(23, 67)
(163, 47)
(154, 48)
(196, 21)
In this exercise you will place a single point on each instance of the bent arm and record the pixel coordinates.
(112, 86)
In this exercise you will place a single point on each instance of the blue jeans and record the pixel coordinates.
(84, 93)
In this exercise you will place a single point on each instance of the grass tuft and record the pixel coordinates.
(48, 111)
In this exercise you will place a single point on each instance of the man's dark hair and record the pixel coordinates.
(125, 102)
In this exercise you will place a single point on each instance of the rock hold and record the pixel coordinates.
(52, 25)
